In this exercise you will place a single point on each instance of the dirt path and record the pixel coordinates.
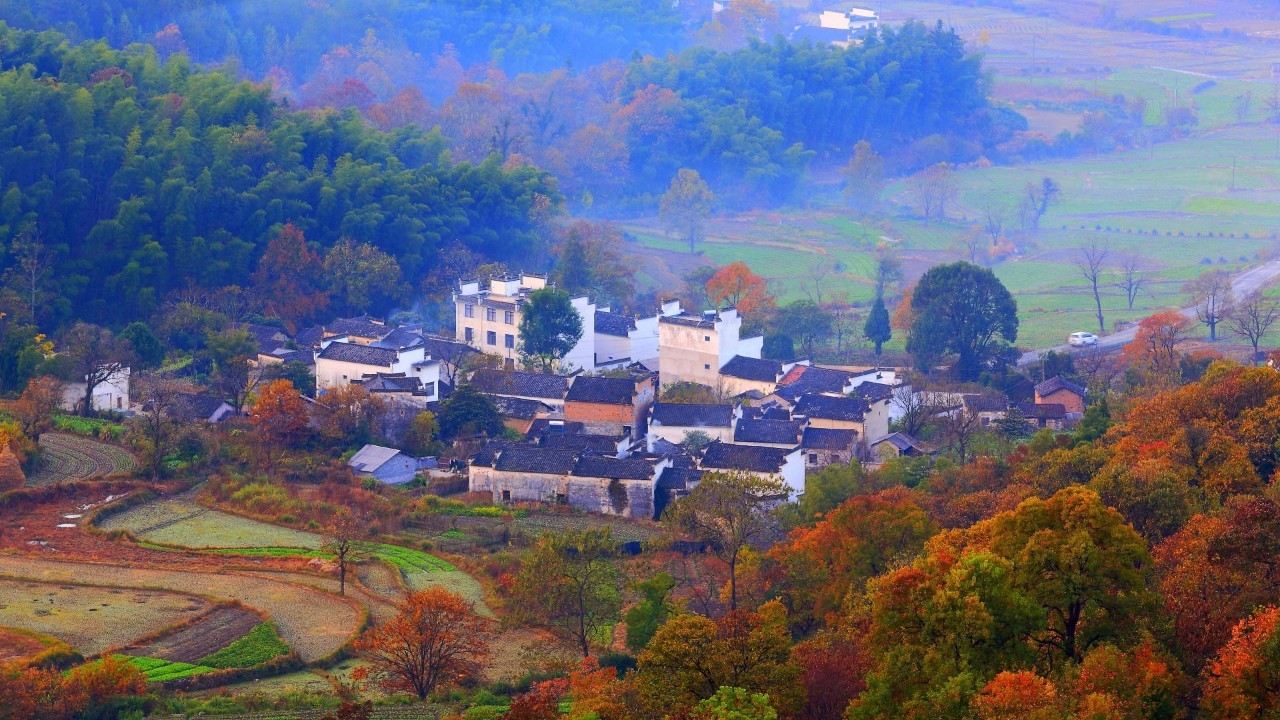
(65, 457)
(314, 623)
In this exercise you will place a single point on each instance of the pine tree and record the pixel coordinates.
(877, 328)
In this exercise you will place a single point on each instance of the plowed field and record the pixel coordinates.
(65, 457)
(213, 632)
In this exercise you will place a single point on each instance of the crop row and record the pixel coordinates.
(261, 644)
(409, 560)
(159, 670)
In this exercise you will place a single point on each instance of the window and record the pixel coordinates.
(119, 403)
(506, 496)
(490, 314)
(491, 337)
(509, 317)
(813, 458)
(562, 499)
(509, 340)
(706, 366)
(430, 388)
(706, 338)
(469, 334)
(469, 311)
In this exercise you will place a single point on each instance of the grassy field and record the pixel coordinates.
(91, 619)
(185, 523)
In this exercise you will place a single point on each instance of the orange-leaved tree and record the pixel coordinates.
(735, 285)
(1243, 683)
(436, 641)
(288, 278)
(1154, 345)
(34, 693)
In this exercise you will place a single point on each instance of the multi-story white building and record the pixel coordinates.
(340, 363)
(693, 348)
(487, 317)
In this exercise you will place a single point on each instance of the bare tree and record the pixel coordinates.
(1243, 106)
(95, 356)
(1252, 317)
(818, 272)
(1098, 368)
(992, 218)
(156, 431)
(959, 429)
(1211, 293)
(916, 405)
(888, 272)
(345, 541)
(1131, 279)
(971, 245)
(1039, 197)
(932, 189)
(1090, 264)
(32, 264)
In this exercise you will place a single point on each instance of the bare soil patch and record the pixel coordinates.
(15, 645)
(206, 636)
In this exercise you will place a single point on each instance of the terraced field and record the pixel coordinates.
(91, 619)
(212, 633)
(65, 457)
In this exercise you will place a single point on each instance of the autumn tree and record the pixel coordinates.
(361, 278)
(654, 608)
(346, 540)
(728, 511)
(278, 413)
(236, 374)
(550, 327)
(932, 189)
(832, 665)
(963, 309)
(691, 657)
(734, 285)
(1243, 682)
(1252, 317)
(349, 414)
(864, 177)
(289, 278)
(157, 432)
(93, 356)
(437, 640)
(570, 584)
(1020, 695)
(734, 703)
(35, 408)
(1091, 264)
(686, 205)
(1154, 345)
(1213, 298)
(588, 262)
(877, 328)
(423, 436)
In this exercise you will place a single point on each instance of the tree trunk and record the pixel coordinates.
(733, 582)
(342, 576)
(1097, 300)
(87, 410)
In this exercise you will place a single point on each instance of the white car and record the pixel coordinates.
(1082, 339)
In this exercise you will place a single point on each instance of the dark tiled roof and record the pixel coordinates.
(525, 384)
(610, 323)
(902, 441)
(401, 337)
(388, 382)
(614, 468)
(754, 458)
(364, 327)
(674, 478)
(779, 432)
(682, 415)
(804, 379)
(361, 354)
(752, 369)
(191, 407)
(662, 446)
(986, 402)
(306, 357)
(487, 455)
(768, 411)
(874, 391)
(519, 408)
(580, 443)
(544, 426)
(825, 407)
(1043, 411)
(1053, 385)
(828, 439)
(441, 347)
(532, 459)
(688, 321)
(309, 337)
(607, 390)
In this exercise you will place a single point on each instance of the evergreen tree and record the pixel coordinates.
(877, 328)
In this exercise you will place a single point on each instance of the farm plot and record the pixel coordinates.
(64, 458)
(91, 619)
(314, 623)
(189, 644)
(175, 521)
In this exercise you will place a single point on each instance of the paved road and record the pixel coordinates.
(1246, 283)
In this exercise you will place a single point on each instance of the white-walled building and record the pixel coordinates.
(340, 363)
(110, 394)
(693, 348)
(487, 317)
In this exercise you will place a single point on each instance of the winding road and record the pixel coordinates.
(1246, 283)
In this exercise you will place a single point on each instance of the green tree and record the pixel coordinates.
(146, 346)
(864, 177)
(361, 278)
(778, 346)
(1095, 423)
(732, 703)
(806, 321)
(549, 327)
(963, 309)
(728, 511)
(686, 205)
(1015, 425)
(645, 617)
(570, 584)
(422, 438)
(877, 328)
(467, 413)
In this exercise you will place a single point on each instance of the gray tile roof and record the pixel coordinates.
(390, 382)
(692, 415)
(674, 478)
(599, 444)
(545, 426)
(825, 407)
(994, 401)
(828, 439)
(874, 391)
(753, 458)
(360, 354)
(779, 432)
(524, 384)
(805, 379)
(615, 324)
(903, 442)
(401, 337)
(532, 459)
(1055, 384)
(364, 327)
(371, 457)
(752, 369)
(191, 407)
(614, 468)
(1043, 411)
(605, 390)
(518, 408)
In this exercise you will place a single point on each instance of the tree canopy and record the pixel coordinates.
(961, 309)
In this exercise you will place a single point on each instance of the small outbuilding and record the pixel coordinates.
(384, 464)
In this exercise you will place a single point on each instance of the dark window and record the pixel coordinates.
(706, 366)
(490, 314)
(562, 499)
(469, 334)
(509, 317)
(430, 388)
(706, 338)
(469, 311)
(509, 341)
(506, 496)
(491, 337)
(813, 458)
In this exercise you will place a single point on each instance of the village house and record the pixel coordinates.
(384, 464)
(487, 317)
(362, 330)
(897, 444)
(828, 446)
(693, 348)
(988, 407)
(768, 432)
(1045, 415)
(623, 339)
(339, 364)
(519, 413)
(1061, 391)
(192, 407)
(869, 420)
(743, 375)
(587, 481)
(670, 422)
(395, 387)
(619, 404)
(547, 389)
(785, 464)
(112, 394)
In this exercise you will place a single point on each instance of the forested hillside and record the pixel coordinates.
(138, 176)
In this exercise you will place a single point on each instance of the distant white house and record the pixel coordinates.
(384, 464)
(338, 364)
(110, 394)
(487, 317)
